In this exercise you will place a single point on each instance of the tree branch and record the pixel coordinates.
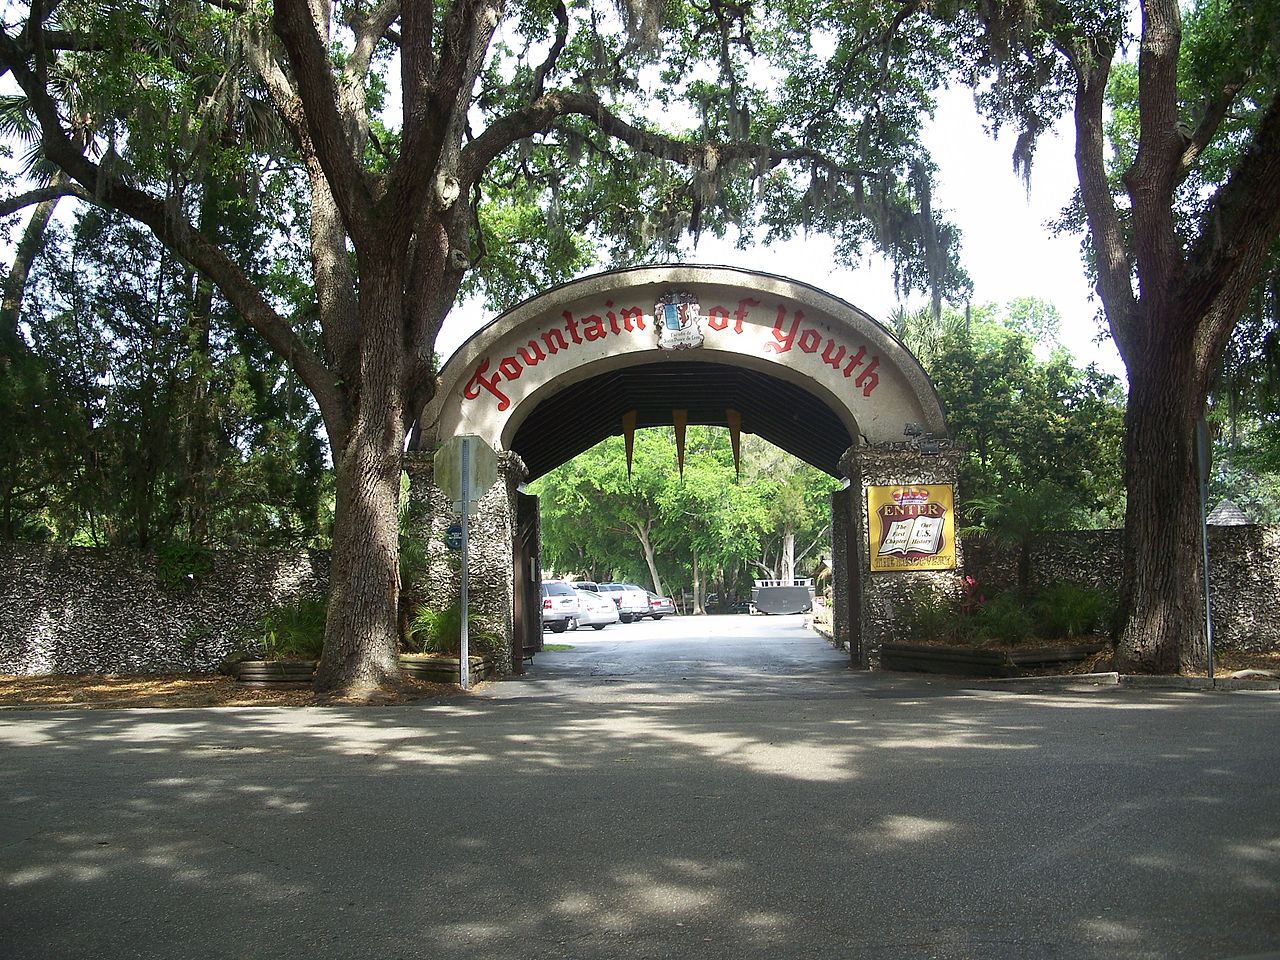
(369, 32)
(175, 232)
(319, 98)
(41, 195)
(540, 117)
(1237, 233)
(1115, 271)
(280, 89)
(1153, 177)
(1215, 111)
(553, 55)
(416, 65)
(881, 39)
(436, 119)
(15, 282)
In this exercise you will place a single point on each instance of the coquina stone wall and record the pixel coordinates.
(490, 571)
(1244, 574)
(114, 610)
(111, 610)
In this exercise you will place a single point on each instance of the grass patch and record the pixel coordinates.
(556, 647)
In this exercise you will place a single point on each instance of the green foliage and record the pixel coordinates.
(181, 565)
(1024, 422)
(1004, 619)
(930, 616)
(144, 409)
(413, 552)
(1062, 611)
(440, 631)
(789, 79)
(1014, 516)
(39, 433)
(1244, 411)
(294, 630)
(1248, 474)
(1072, 610)
(596, 520)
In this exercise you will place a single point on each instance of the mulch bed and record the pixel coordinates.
(192, 690)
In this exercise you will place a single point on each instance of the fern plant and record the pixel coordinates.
(440, 631)
(294, 630)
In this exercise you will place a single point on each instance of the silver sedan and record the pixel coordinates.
(594, 611)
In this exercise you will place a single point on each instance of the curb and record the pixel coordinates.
(1058, 679)
(1140, 682)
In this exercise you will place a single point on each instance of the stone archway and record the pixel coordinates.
(799, 367)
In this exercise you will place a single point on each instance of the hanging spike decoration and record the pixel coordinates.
(680, 418)
(629, 437)
(733, 418)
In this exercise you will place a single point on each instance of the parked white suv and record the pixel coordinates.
(632, 601)
(559, 605)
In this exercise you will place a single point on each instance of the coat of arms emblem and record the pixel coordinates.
(676, 319)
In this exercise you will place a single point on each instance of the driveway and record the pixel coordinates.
(730, 655)
(688, 805)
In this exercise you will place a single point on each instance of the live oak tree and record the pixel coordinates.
(432, 139)
(1178, 241)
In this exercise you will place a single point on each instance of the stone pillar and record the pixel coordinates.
(490, 560)
(878, 598)
(845, 584)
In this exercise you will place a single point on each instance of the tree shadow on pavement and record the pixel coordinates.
(869, 817)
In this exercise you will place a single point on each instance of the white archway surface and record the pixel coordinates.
(752, 321)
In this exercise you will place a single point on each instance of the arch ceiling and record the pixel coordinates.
(805, 370)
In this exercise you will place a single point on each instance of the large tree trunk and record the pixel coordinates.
(360, 644)
(1161, 628)
(361, 632)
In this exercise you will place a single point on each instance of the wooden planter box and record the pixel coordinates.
(444, 669)
(261, 673)
(971, 662)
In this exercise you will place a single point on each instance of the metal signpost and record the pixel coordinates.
(1203, 448)
(464, 649)
(464, 468)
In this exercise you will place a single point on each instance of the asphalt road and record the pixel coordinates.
(657, 791)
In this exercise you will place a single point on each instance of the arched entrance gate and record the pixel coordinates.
(711, 345)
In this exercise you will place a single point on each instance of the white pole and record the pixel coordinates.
(464, 656)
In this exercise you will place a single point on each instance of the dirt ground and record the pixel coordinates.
(1231, 661)
(190, 690)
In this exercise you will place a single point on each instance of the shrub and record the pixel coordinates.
(928, 615)
(294, 630)
(440, 631)
(1003, 618)
(1071, 610)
